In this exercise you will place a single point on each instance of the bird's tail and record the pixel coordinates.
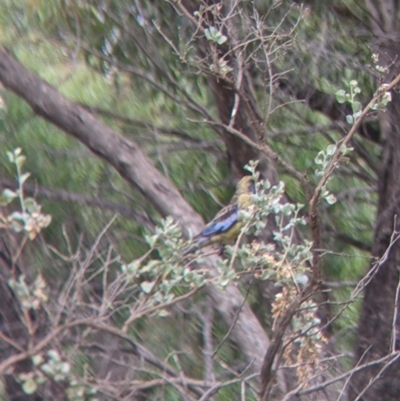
(198, 242)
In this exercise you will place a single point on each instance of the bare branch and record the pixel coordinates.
(138, 170)
(66, 196)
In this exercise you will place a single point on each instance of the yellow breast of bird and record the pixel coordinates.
(244, 201)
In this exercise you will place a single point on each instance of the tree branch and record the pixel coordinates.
(66, 196)
(138, 170)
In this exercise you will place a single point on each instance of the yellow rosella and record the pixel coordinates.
(226, 225)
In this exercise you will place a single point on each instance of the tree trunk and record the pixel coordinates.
(378, 331)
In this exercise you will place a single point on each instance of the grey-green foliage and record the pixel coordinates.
(342, 96)
(123, 30)
(61, 163)
(164, 272)
(267, 260)
(146, 285)
(29, 219)
(326, 54)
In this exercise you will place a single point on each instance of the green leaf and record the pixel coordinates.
(9, 194)
(213, 31)
(18, 216)
(37, 360)
(277, 236)
(20, 160)
(356, 106)
(46, 220)
(147, 286)
(31, 205)
(302, 279)
(133, 267)
(65, 368)
(287, 209)
(152, 266)
(340, 96)
(349, 119)
(330, 150)
(29, 386)
(24, 177)
(320, 158)
(346, 149)
(10, 157)
(151, 239)
(331, 199)
(214, 35)
(383, 102)
(54, 355)
(222, 39)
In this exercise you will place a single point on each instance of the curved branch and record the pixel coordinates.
(138, 170)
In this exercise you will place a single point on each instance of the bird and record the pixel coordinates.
(226, 225)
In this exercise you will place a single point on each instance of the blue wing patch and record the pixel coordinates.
(222, 223)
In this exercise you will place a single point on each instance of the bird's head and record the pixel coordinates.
(246, 185)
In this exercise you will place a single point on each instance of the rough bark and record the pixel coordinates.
(376, 322)
(138, 170)
(378, 331)
(233, 97)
